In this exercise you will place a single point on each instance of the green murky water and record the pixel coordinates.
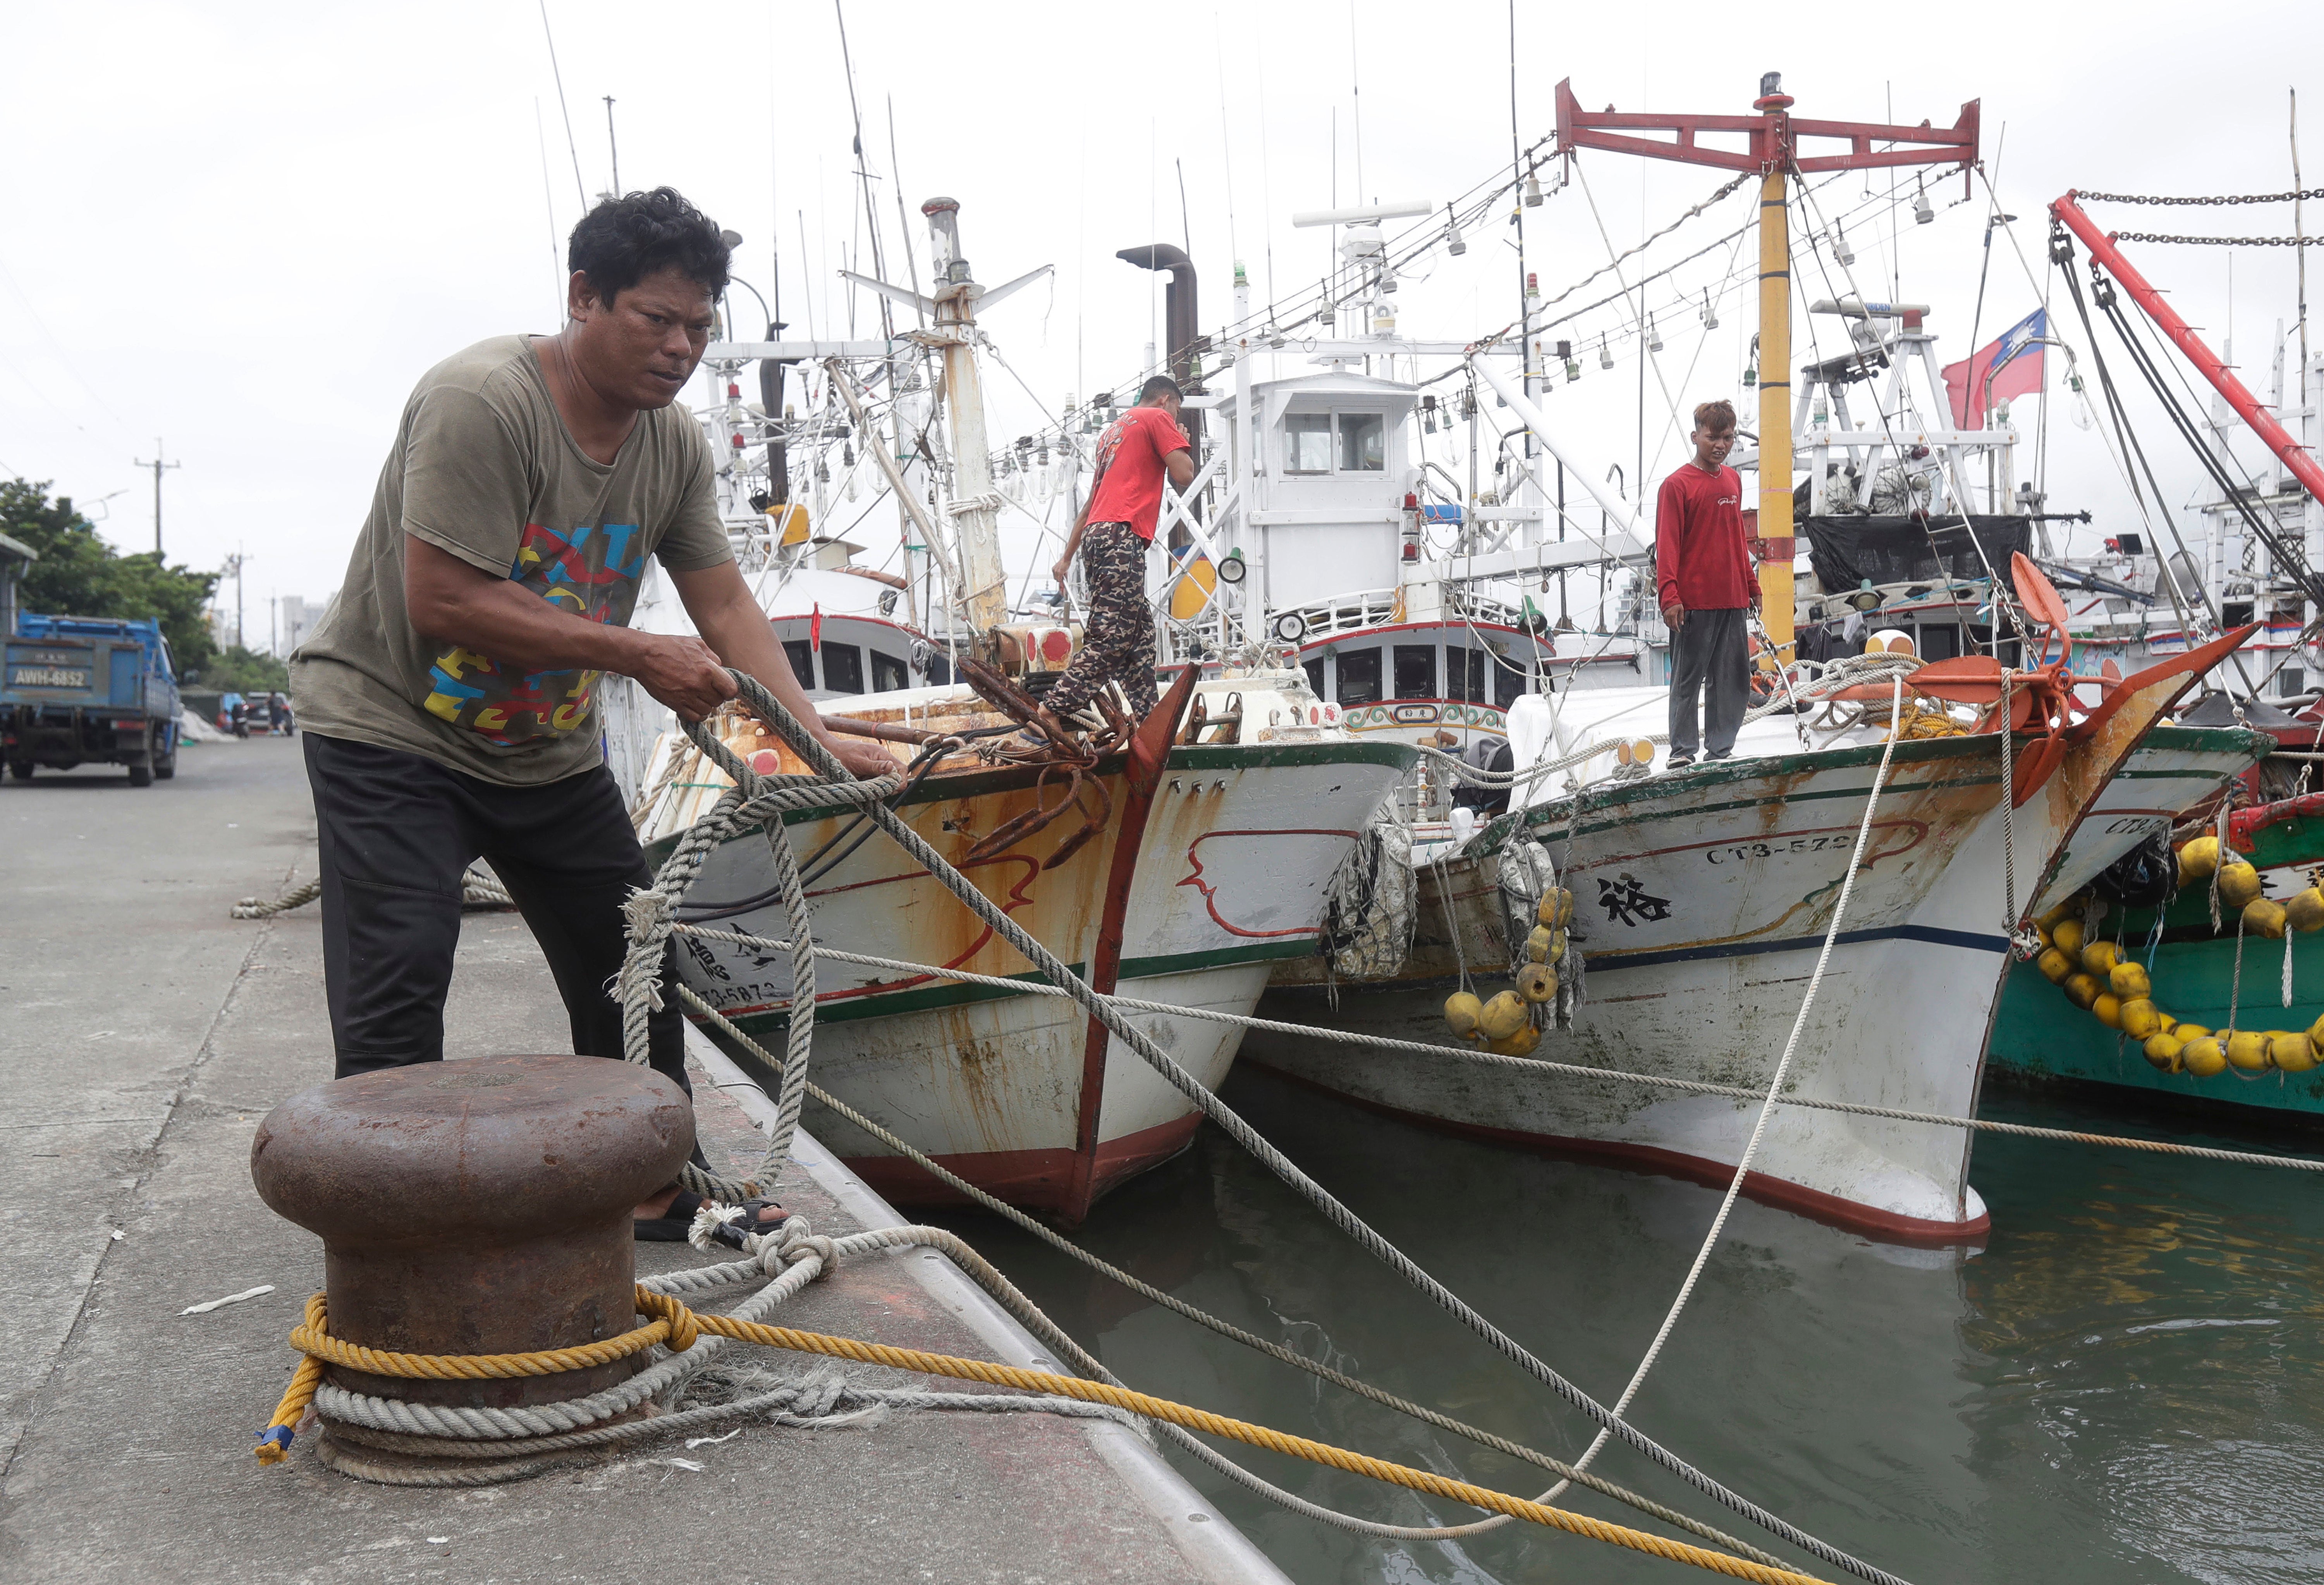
(2126, 1383)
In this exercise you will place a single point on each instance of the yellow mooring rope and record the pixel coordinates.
(679, 1326)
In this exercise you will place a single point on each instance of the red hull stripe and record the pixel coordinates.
(1885, 1226)
(1031, 1180)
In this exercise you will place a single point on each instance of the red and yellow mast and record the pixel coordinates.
(1772, 139)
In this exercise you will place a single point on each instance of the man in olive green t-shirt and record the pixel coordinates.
(449, 695)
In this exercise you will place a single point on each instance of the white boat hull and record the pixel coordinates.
(1015, 1092)
(1705, 896)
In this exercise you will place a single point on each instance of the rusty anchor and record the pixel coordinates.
(478, 1207)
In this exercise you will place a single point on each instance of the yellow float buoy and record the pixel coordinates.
(2081, 989)
(2071, 908)
(2108, 1008)
(2291, 1052)
(2263, 916)
(2239, 884)
(2187, 1032)
(1536, 983)
(2162, 1052)
(2199, 858)
(2304, 911)
(1538, 941)
(2247, 1050)
(2055, 966)
(1461, 1010)
(2067, 937)
(2203, 1057)
(1502, 1016)
(2100, 957)
(2128, 980)
(2139, 1019)
(1519, 1044)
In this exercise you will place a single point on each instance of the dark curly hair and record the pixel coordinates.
(625, 239)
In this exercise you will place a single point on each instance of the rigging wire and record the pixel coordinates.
(579, 186)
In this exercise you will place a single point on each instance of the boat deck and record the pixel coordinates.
(149, 1036)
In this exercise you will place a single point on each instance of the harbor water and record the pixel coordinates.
(2124, 1383)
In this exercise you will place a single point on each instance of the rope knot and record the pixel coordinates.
(651, 915)
(684, 1329)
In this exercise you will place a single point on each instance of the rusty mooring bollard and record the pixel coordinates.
(478, 1207)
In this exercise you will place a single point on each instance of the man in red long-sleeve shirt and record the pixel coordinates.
(1703, 568)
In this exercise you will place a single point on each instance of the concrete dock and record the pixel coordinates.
(148, 1034)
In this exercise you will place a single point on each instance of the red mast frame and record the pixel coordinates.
(1775, 137)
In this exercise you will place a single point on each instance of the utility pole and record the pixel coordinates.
(234, 565)
(157, 465)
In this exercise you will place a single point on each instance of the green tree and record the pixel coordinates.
(240, 671)
(79, 575)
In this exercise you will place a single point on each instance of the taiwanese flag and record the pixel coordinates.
(2010, 366)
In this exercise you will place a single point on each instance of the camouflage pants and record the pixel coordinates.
(1118, 642)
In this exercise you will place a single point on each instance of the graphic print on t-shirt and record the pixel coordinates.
(591, 573)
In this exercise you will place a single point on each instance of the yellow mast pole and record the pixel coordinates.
(1775, 402)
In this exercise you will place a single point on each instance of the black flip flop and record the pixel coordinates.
(675, 1224)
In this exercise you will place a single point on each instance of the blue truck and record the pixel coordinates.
(82, 689)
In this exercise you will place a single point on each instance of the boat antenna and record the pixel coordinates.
(903, 222)
(2300, 250)
(1226, 142)
(1517, 214)
(579, 186)
(1185, 226)
(1356, 100)
(613, 149)
(1267, 186)
(862, 174)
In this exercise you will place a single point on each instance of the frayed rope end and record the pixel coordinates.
(273, 1444)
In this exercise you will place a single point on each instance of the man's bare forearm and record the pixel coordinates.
(745, 640)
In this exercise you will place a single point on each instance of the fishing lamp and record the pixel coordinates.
(1710, 313)
(1841, 254)
(1865, 598)
(1654, 337)
(1532, 190)
(1453, 244)
(1231, 569)
(1428, 415)
(1291, 627)
(1605, 354)
(1921, 213)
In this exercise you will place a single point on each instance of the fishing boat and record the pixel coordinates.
(1703, 894)
(2249, 559)
(1176, 863)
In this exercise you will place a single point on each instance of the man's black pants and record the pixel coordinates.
(397, 832)
(1711, 657)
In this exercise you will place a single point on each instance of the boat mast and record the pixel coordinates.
(1773, 137)
(976, 509)
(1776, 541)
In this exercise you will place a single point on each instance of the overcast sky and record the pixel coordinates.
(246, 230)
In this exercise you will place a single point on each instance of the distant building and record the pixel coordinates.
(295, 616)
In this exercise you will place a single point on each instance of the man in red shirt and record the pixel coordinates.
(1703, 568)
(1115, 524)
